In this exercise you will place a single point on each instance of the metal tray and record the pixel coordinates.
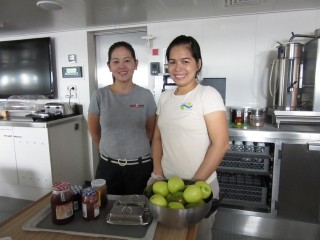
(98, 228)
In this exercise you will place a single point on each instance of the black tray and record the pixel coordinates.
(98, 228)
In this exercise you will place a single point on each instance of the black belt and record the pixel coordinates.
(123, 161)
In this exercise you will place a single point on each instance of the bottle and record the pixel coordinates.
(61, 203)
(90, 204)
(101, 188)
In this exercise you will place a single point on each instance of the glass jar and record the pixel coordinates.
(101, 187)
(61, 203)
(237, 115)
(90, 204)
(257, 117)
(76, 197)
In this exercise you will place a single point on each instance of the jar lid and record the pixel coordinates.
(89, 191)
(98, 182)
(60, 186)
(258, 111)
(76, 188)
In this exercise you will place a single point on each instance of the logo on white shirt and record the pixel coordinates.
(186, 106)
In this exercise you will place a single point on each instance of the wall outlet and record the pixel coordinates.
(71, 91)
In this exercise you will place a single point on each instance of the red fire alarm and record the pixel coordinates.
(155, 51)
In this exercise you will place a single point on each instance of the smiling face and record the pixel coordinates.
(182, 66)
(122, 64)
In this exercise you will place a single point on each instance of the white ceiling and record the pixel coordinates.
(19, 17)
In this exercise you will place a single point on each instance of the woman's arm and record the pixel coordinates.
(150, 125)
(94, 128)
(219, 135)
(157, 151)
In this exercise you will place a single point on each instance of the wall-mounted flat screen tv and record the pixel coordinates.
(26, 68)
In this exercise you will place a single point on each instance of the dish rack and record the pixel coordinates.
(240, 189)
(244, 176)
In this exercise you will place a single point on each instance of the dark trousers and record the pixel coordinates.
(123, 180)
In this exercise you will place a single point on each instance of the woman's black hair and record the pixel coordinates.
(121, 44)
(191, 43)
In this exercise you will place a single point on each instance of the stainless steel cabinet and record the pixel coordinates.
(299, 185)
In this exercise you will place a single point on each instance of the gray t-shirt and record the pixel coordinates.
(123, 121)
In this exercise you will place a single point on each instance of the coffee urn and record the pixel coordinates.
(288, 72)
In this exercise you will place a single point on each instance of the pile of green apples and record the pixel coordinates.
(175, 194)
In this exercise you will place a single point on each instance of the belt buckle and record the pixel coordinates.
(122, 162)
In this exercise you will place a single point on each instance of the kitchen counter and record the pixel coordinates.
(12, 227)
(28, 122)
(271, 132)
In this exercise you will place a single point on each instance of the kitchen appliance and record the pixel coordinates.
(53, 111)
(287, 76)
(63, 109)
(295, 76)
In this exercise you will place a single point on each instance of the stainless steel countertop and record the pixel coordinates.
(28, 122)
(270, 131)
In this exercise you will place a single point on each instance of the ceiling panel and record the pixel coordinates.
(18, 17)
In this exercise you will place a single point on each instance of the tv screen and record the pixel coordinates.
(26, 68)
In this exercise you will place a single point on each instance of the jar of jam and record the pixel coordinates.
(76, 197)
(90, 204)
(61, 203)
(101, 187)
(237, 115)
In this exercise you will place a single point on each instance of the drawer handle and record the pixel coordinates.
(314, 146)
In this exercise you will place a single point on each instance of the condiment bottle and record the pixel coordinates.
(61, 203)
(101, 187)
(90, 204)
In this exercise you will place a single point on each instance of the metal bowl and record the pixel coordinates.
(179, 218)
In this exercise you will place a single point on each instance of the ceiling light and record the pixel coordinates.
(50, 5)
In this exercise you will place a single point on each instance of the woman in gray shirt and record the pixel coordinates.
(121, 122)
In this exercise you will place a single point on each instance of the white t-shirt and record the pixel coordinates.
(184, 135)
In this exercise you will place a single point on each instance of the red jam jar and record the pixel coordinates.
(61, 203)
(90, 204)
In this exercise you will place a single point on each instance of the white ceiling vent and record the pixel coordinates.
(236, 3)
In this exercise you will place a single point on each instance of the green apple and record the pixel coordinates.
(175, 184)
(177, 197)
(197, 204)
(158, 199)
(160, 187)
(192, 194)
(205, 189)
(176, 205)
(148, 191)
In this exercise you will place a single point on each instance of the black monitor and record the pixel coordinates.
(218, 83)
(26, 68)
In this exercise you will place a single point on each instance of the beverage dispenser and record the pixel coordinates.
(288, 71)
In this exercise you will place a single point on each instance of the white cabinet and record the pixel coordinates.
(8, 166)
(33, 156)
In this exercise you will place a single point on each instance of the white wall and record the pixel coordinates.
(240, 48)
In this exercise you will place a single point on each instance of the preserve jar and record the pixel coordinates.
(101, 187)
(90, 204)
(257, 117)
(76, 197)
(237, 115)
(61, 203)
